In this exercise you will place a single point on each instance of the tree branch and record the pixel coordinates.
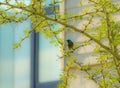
(65, 24)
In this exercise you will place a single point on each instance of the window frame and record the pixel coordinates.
(34, 83)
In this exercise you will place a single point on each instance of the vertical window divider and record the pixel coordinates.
(34, 59)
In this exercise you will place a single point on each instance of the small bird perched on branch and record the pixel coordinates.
(70, 44)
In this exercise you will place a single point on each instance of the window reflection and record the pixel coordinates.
(48, 61)
(14, 64)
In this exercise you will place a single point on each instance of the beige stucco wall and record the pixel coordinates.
(80, 81)
(83, 54)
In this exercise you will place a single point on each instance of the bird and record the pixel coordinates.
(70, 44)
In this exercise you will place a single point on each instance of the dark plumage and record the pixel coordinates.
(70, 44)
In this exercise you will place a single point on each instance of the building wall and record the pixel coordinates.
(83, 54)
(80, 81)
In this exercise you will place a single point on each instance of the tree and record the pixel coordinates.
(106, 35)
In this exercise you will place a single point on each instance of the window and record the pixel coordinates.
(33, 65)
(46, 63)
(14, 64)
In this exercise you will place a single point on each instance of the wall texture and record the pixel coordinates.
(83, 54)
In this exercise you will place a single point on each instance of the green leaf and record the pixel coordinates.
(16, 45)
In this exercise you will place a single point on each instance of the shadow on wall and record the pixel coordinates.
(81, 82)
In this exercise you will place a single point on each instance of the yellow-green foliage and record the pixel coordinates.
(107, 75)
